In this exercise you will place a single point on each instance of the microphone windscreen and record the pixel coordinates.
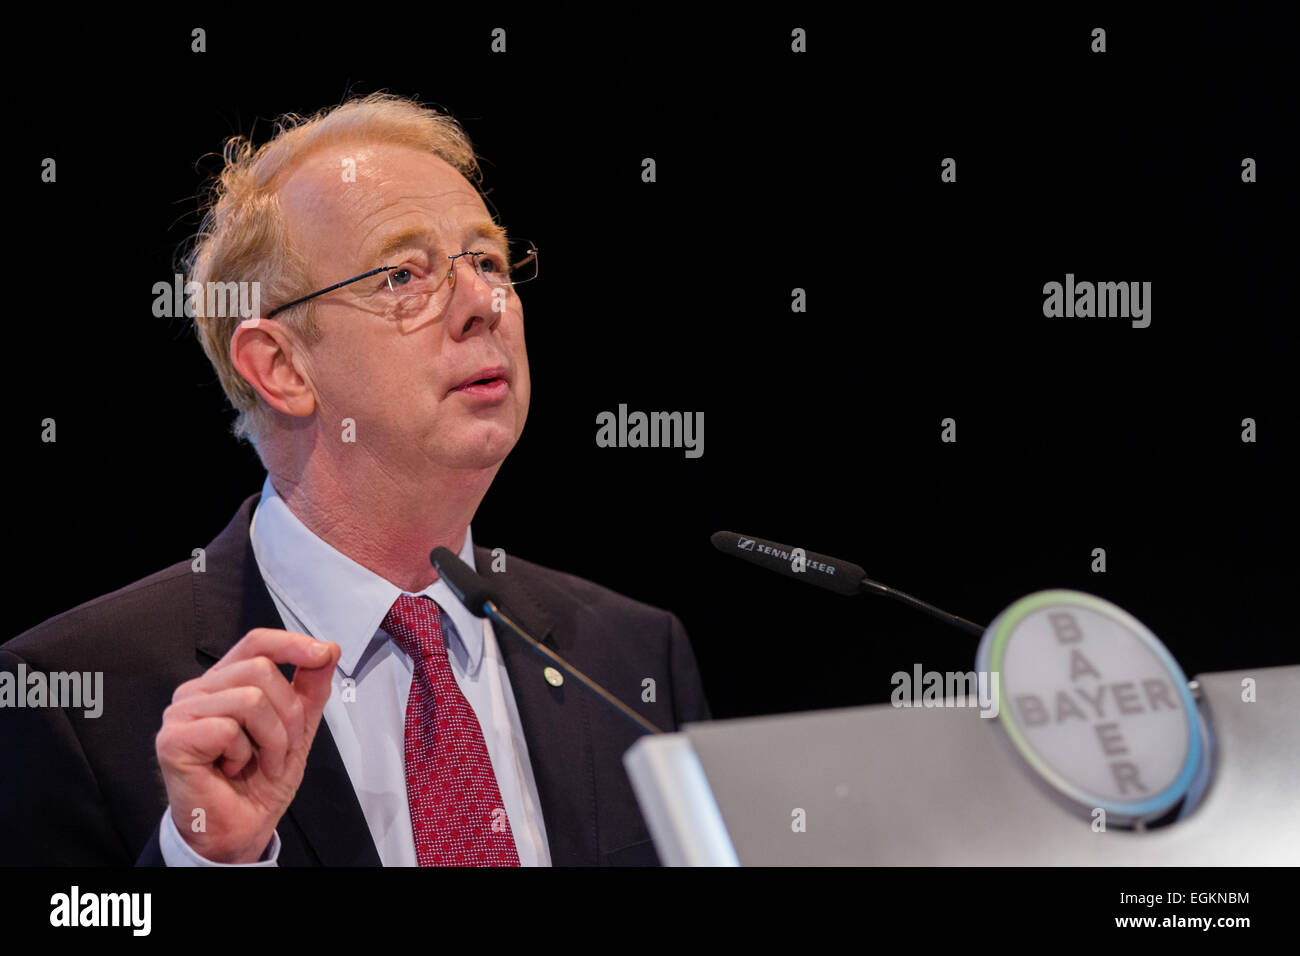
(472, 589)
(842, 577)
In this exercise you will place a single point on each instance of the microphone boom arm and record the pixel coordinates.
(495, 614)
(959, 622)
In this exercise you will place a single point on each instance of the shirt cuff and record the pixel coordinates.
(176, 852)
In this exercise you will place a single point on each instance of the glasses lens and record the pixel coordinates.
(523, 261)
(498, 265)
(408, 283)
(507, 265)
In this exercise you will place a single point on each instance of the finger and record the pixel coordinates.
(205, 741)
(282, 647)
(252, 709)
(312, 686)
(258, 672)
(238, 753)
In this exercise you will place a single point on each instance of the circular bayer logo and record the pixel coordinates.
(1094, 703)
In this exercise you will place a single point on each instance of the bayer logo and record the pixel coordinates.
(1094, 704)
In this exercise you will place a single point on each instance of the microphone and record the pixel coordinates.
(479, 597)
(833, 574)
(842, 577)
(464, 583)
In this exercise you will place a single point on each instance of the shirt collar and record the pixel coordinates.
(336, 599)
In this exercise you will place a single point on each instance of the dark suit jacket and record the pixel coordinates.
(78, 790)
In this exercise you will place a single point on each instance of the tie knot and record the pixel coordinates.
(413, 623)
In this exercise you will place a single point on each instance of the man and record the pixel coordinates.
(323, 697)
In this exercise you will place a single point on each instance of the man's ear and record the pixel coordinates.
(264, 353)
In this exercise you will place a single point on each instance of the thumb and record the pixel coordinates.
(312, 685)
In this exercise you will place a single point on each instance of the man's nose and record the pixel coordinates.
(472, 298)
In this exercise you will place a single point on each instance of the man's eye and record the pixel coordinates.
(399, 277)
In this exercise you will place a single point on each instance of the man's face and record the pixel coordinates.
(401, 373)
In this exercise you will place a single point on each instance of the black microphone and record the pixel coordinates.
(464, 583)
(833, 574)
(842, 577)
(479, 597)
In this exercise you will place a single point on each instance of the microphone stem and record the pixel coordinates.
(960, 622)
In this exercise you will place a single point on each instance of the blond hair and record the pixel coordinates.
(244, 236)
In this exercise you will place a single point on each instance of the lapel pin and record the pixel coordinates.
(553, 677)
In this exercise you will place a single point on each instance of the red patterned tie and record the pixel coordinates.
(456, 810)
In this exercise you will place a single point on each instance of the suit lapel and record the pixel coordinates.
(556, 720)
(231, 599)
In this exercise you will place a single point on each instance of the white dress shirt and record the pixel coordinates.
(323, 593)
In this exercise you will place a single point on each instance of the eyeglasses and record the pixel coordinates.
(500, 265)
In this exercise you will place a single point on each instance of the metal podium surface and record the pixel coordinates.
(881, 785)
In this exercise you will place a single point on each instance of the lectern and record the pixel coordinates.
(886, 785)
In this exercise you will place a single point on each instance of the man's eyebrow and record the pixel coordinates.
(412, 238)
(489, 230)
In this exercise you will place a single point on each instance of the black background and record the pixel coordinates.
(775, 170)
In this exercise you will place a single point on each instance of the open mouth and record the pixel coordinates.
(487, 382)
